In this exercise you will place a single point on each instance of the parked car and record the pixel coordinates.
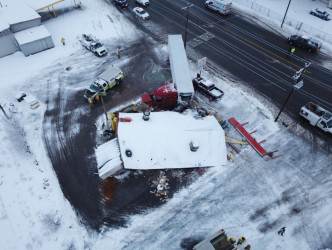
(143, 2)
(141, 13)
(308, 43)
(321, 14)
(207, 88)
(121, 3)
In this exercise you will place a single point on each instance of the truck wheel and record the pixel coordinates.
(206, 5)
(291, 42)
(310, 50)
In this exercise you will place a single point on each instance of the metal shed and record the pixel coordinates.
(180, 69)
(8, 43)
(34, 40)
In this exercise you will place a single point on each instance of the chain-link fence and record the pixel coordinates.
(296, 24)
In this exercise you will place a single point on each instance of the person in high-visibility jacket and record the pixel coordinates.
(241, 240)
(118, 53)
(90, 101)
(292, 50)
(113, 121)
(63, 41)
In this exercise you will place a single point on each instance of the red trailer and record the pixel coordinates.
(166, 97)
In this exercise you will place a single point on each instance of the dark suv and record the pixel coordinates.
(308, 43)
(321, 14)
(121, 3)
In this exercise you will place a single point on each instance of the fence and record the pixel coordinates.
(296, 24)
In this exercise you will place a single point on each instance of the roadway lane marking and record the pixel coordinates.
(245, 39)
(199, 40)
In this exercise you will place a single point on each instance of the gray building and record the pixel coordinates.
(18, 26)
(34, 40)
(8, 44)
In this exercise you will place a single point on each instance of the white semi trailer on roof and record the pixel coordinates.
(180, 69)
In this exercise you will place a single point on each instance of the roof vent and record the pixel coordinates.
(146, 115)
(194, 146)
(128, 153)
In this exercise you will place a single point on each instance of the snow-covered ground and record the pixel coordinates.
(299, 10)
(298, 20)
(250, 197)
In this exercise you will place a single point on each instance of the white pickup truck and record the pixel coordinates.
(93, 44)
(317, 116)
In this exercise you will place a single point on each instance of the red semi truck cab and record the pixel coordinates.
(166, 97)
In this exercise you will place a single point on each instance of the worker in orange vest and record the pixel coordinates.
(97, 98)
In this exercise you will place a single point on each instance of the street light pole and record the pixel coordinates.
(298, 84)
(283, 106)
(187, 18)
(102, 101)
(285, 13)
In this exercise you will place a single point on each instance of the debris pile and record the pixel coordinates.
(161, 187)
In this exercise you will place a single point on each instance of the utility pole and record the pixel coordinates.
(3, 111)
(102, 101)
(297, 77)
(285, 13)
(187, 18)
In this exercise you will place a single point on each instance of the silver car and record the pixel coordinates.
(141, 13)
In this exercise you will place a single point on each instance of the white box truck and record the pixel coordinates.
(317, 116)
(223, 7)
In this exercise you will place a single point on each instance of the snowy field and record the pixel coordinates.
(250, 197)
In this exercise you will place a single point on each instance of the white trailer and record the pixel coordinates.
(180, 69)
(317, 116)
(223, 7)
(109, 159)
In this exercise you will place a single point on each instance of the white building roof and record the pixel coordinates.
(108, 158)
(179, 65)
(16, 13)
(163, 141)
(32, 34)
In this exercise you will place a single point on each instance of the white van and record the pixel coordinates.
(221, 6)
(143, 2)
